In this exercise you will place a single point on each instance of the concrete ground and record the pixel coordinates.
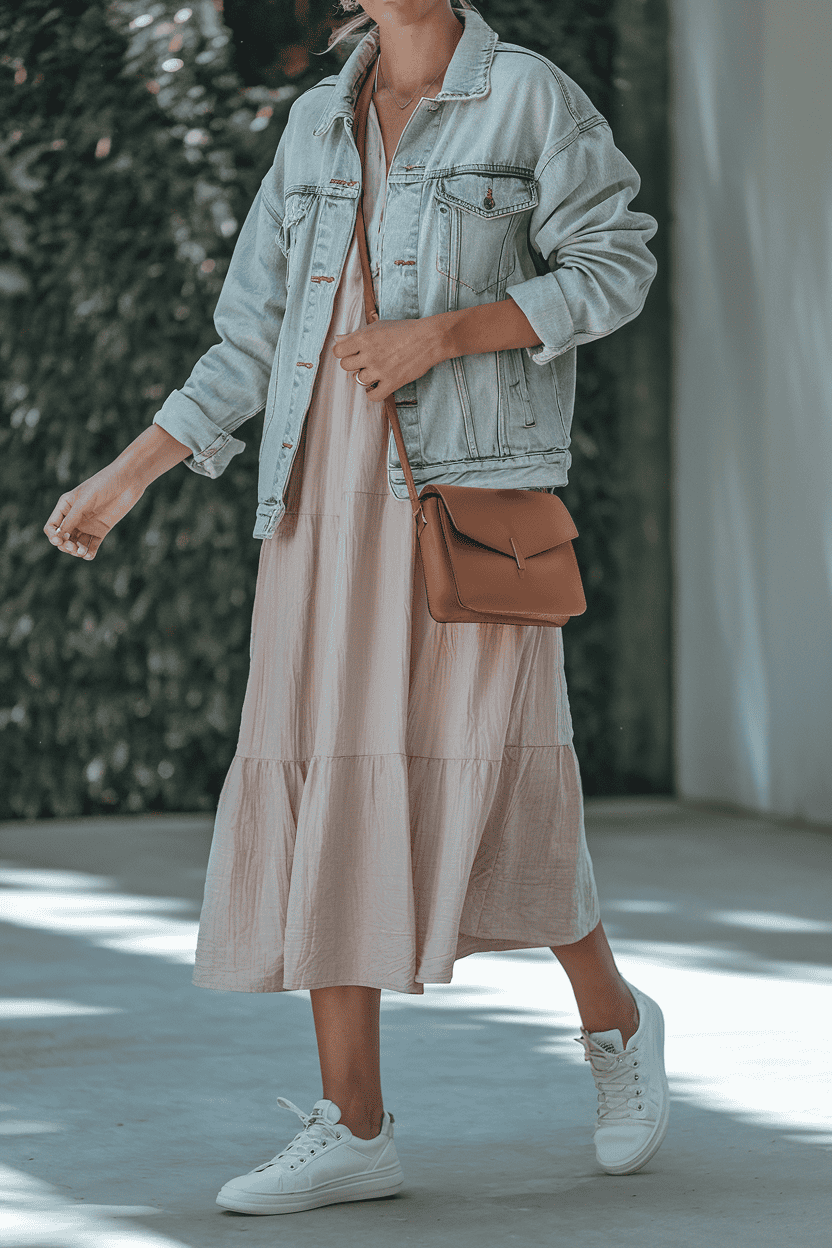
(130, 1096)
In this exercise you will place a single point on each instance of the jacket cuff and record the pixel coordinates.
(213, 448)
(546, 310)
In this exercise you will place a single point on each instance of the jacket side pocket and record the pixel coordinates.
(297, 207)
(517, 382)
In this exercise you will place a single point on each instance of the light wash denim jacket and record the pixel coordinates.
(508, 182)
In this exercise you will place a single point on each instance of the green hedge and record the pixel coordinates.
(124, 184)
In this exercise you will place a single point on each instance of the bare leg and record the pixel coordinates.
(604, 1000)
(346, 1025)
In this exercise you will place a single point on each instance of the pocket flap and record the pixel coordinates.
(488, 195)
(492, 518)
(297, 205)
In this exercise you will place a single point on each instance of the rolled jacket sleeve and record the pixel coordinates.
(595, 246)
(229, 383)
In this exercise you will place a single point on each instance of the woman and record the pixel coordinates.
(404, 792)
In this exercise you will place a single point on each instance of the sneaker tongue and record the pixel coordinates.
(609, 1040)
(327, 1110)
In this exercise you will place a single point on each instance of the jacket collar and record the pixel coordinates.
(468, 75)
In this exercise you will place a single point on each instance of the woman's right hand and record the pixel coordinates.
(83, 517)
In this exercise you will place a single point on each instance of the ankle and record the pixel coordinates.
(362, 1120)
(619, 1012)
(364, 1128)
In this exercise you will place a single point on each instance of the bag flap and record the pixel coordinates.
(536, 521)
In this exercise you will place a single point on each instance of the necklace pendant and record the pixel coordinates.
(401, 107)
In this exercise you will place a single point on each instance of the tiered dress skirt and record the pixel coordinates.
(403, 792)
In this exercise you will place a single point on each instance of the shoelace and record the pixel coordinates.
(615, 1079)
(306, 1142)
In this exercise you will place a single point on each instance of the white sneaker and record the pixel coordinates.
(324, 1164)
(633, 1096)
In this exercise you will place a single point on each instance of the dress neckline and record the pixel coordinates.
(380, 140)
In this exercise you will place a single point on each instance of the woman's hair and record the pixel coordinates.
(363, 19)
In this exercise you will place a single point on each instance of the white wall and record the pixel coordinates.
(752, 459)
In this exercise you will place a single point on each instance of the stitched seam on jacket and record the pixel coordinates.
(556, 74)
(601, 333)
(570, 139)
(270, 208)
(248, 416)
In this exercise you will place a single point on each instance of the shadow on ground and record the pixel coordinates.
(130, 1096)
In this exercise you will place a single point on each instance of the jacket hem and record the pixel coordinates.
(546, 470)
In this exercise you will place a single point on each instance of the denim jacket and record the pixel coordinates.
(506, 183)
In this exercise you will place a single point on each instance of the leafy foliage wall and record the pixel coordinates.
(133, 142)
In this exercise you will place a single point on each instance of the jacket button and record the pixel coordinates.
(488, 202)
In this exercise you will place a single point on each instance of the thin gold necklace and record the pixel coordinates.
(429, 84)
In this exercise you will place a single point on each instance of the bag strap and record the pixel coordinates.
(362, 110)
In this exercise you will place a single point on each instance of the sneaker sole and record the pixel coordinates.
(655, 1141)
(369, 1187)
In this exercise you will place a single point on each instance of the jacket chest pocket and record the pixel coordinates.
(298, 207)
(479, 214)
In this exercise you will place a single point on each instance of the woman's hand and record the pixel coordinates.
(392, 353)
(83, 517)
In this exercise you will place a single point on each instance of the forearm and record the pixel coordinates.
(152, 453)
(496, 326)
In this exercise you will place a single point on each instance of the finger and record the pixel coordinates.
(64, 537)
(56, 536)
(59, 510)
(80, 547)
(55, 521)
(71, 519)
(64, 540)
(84, 546)
(70, 512)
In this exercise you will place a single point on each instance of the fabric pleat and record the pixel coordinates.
(403, 793)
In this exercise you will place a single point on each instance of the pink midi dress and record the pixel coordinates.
(403, 793)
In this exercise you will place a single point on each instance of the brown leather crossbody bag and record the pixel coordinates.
(489, 556)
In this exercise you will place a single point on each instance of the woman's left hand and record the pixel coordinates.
(392, 353)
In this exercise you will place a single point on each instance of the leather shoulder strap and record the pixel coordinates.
(362, 110)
